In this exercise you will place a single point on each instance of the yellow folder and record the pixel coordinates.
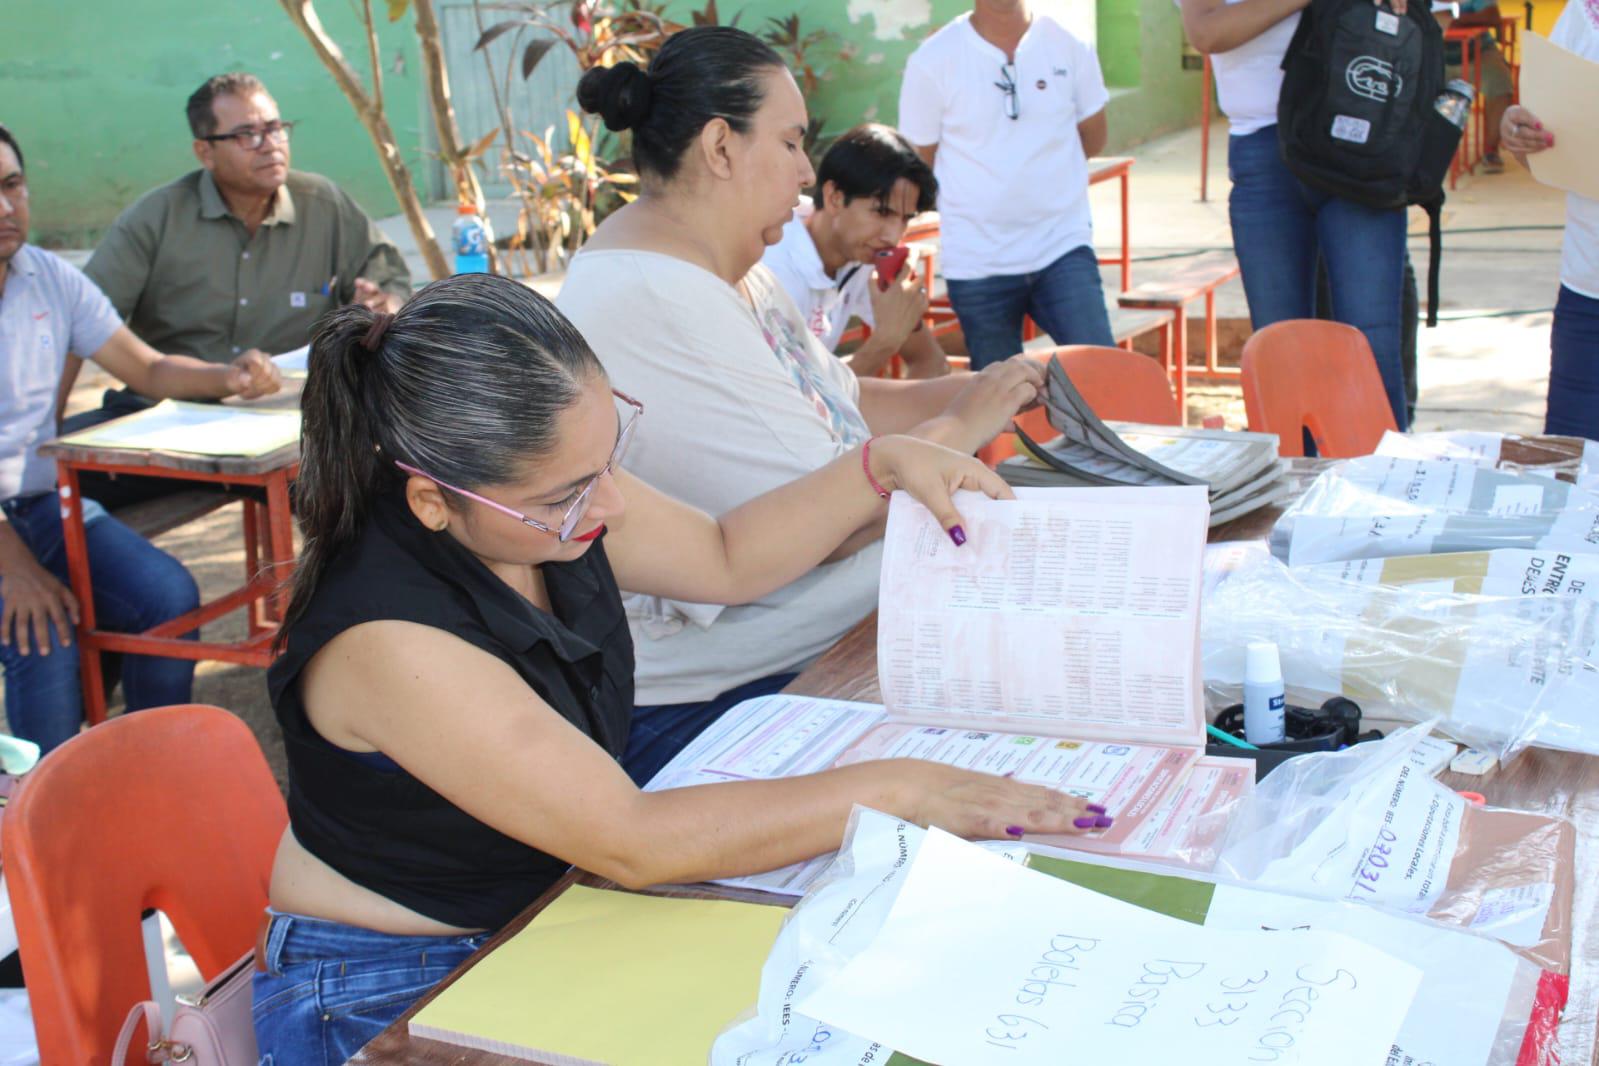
(611, 977)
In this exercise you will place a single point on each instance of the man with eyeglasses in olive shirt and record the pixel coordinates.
(243, 253)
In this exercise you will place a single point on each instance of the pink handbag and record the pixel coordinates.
(213, 1029)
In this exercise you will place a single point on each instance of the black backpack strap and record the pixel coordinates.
(1435, 235)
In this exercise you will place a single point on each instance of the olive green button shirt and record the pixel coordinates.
(189, 279)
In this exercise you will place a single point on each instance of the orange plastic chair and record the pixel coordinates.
(1321, 376)
(172, 808)
(1118, 385)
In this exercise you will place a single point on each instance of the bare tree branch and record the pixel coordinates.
(303, 14)
(377, 58)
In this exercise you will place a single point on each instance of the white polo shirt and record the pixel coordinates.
(1578, 31)
(827, 304)
(47, 309)
(1012, 193)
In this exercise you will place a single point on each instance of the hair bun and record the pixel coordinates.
(620, 95)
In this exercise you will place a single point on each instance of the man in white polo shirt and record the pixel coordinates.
(1008, 107)
(48, 308)
(869, 186)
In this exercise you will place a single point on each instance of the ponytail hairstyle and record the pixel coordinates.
(698, 75)
(466, 382)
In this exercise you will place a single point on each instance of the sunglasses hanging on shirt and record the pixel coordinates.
(1007, 85)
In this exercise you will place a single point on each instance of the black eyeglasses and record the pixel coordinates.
(254, 137)
(1007, 85)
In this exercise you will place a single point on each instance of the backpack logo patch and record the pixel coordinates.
(1353, 130)
(1374, 79)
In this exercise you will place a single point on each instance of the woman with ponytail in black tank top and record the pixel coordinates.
(456, 676)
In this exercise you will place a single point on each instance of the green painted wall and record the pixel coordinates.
(1139, 45)
(1140, 49)
(94, 90)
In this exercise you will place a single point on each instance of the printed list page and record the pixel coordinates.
(1073, 611)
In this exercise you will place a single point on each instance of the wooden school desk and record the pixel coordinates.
(268, 554)
(1551, 782)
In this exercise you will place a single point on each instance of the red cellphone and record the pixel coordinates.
(889, 261)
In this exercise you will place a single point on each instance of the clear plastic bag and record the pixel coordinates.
(1502, 672)
(1366, 824)
(1474, 1005)
(1378, 506)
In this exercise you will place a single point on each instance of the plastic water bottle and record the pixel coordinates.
(471, 238)
(1454, 103)
(1263, 694)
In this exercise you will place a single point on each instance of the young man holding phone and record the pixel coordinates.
(841, 259)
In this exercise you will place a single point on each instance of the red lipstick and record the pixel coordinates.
(590, 535)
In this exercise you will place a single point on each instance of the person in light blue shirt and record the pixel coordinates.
(48, 308)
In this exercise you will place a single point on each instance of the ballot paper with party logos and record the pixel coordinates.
(1057, 646)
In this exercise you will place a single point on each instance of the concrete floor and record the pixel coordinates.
(1484, 366)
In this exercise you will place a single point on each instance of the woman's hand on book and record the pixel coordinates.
(932, 474)
(985, 807)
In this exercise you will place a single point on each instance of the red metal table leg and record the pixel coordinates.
(1211, 354)
(281, 540)
(1180, 361)
(77, 547)
(1127, 248)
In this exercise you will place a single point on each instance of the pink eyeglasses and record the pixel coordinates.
(580, 503)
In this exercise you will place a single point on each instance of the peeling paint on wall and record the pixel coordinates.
(892, 18)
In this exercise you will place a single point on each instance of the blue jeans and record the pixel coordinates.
(136, 586)
(1065, 299)
(329, 988)
(658, 733)
(1281, 227)
(1574, 367)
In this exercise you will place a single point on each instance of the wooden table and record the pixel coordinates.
(1551, 782)
(268, 553)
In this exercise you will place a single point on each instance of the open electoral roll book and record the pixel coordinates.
(1058, 646)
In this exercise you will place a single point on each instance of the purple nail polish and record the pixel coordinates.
(1103, 822)
(958, 535)
(1083, 823)
(1096, 808)
(1014, 830)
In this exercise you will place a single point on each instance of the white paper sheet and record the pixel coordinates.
(1453, 1020)
(980, 961)
(295, 363)
(196, 429)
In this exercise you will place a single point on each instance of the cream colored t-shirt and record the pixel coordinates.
(738, 401)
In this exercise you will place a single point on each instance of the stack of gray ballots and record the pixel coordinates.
(1242, 470)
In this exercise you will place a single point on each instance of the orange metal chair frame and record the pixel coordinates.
(172, 808)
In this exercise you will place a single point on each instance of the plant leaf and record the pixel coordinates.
(482, 144)
(535, 51)
(489, 34)
(397, 9)
(582, 148)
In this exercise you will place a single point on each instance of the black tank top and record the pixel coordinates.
(377, 824)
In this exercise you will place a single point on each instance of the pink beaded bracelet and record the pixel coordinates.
(866, 465)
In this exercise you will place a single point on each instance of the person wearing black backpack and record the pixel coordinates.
(1281, 225)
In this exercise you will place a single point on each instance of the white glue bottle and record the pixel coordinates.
(1263, 694)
